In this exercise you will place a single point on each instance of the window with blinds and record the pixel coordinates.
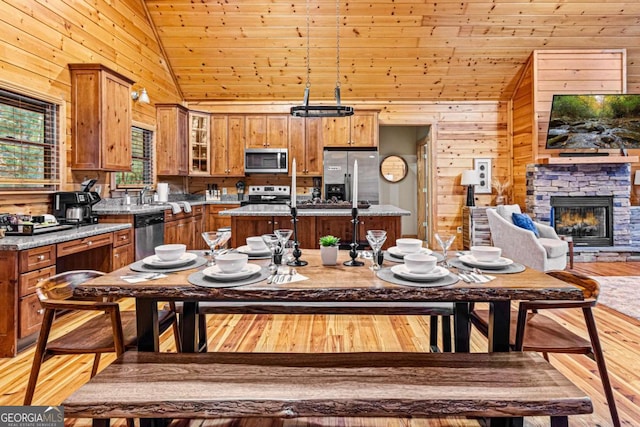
(141, 160)
(29, 143)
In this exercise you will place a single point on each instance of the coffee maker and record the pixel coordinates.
(74, 207)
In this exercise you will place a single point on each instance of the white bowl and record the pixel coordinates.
(231, 262)
(170, 252)
(419, 263)
(256, 244)
(486, 253)
(409, 246)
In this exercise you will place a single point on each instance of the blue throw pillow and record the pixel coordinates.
(524, 221)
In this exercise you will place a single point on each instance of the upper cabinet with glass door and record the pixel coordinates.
(199, 143)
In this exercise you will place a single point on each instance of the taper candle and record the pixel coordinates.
(293, 183)
(355, 184)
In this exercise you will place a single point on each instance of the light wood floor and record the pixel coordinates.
(620, 336)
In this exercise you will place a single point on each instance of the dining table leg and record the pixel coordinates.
(147, 324)
(462, 327)
(189, 326)
(499, 323)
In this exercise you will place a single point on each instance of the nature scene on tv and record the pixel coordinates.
(594, 122)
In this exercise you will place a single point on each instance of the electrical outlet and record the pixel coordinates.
(224, 191)
(459, 230)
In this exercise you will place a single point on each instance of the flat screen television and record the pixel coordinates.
(594, 122)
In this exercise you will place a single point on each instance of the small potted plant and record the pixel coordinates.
(329, 249)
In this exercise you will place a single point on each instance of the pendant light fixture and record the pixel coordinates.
(337, 110)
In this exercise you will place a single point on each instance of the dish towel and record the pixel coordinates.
(175, 208)
(186, 206)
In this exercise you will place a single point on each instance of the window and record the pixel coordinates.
(141, 160)
(29, 143)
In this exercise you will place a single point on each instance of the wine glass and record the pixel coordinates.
(271, 240)
(283, 237)
(445, 242)
(376, 239)
(215, 240)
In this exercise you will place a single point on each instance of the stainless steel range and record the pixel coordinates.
(268, 194)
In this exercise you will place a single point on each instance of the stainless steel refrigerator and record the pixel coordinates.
(338, 172)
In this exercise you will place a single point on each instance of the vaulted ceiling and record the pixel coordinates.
(253, 50)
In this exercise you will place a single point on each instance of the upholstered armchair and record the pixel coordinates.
(544, 253)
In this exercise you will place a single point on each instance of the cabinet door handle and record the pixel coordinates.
(123, 237)
(89, 243)
(40, 257)
(40, 311)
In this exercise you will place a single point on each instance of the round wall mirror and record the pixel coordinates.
(393, 168)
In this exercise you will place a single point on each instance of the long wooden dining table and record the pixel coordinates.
(328, 286)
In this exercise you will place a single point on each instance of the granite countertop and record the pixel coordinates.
(118, 209)
(18, 243)
(271, 210)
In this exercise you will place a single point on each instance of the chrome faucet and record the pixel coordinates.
(143, 193)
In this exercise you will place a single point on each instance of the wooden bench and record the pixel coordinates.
(286, 385)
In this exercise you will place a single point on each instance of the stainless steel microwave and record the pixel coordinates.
(266, 160)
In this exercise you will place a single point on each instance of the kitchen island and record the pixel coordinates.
(258, 219)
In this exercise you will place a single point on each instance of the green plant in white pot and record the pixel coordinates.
(329, 249)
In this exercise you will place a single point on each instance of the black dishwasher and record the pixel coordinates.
(149, 233)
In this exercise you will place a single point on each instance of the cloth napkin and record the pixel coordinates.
(175, 208)
(141, 277)
(186, 206)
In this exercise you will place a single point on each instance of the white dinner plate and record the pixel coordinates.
(154, 261)
(472, 261)
(214, 272)
(435, 274)
(245, 249)
(394, 251)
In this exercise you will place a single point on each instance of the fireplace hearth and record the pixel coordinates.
(588, 219)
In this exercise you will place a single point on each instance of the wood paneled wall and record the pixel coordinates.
(40, 38)
(550, 72)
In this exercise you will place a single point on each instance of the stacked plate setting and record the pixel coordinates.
(155, 262)
(214, 272)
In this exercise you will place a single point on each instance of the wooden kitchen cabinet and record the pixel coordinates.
(20, 272)
(100, 118)
(199, 223)
(123, 249)
(227, 145)
(214, 220)
(341, 226)
(305, 145)
(179, 228)
(266, 131)
(359, 130)
(199, 143)
(35, 264)
(172, 139)
(247, 226)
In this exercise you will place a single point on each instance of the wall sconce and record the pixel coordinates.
(140, 96)
(470, 179)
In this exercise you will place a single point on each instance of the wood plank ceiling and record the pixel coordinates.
(426, 50)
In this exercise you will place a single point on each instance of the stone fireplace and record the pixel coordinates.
(588, 219)
(583, 181)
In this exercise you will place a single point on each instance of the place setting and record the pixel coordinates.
(167, 259)
(406, 246)
(418, 270)
(256, 248)
(486, 259)
(231, 269)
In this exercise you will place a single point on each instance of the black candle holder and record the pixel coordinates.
(297, 262)
(353, 253)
